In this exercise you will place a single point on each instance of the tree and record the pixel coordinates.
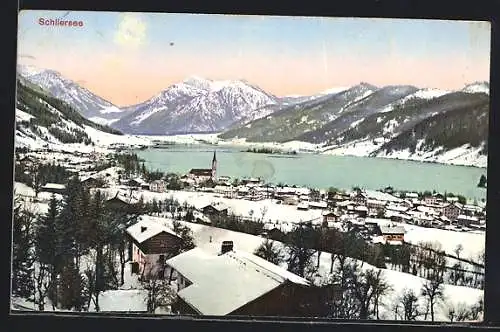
(482, 181)
(459, 248)
(433, 290)
(22, 254)
(159, 292)
(409, 303)
(47, 253)
(71, 294)
(37, 179)
(299, 244)
(458, 312)
(271, 252)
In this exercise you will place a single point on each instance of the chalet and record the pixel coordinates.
(138, 183)
(361, 211)
(54, 188)
(150, 244)
(158, 186)
(217, 209)
(433, 199)
(271, 231)
(225, 190)
(375, 204)
(330, 216)
(466, 220)
(244, 284)
(121, 201)
(451, 211)
(359, 198)
(392, 233)
(91, 182)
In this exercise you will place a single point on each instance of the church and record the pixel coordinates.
(200, 175)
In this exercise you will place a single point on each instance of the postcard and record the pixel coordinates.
(223, 165)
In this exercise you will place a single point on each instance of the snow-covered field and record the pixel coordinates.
(210, 238)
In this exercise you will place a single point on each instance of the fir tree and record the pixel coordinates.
(22, 253)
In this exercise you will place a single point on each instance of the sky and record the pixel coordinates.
(127, 58)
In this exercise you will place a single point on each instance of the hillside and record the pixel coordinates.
(291, 121)
(45, 119)
(462, 125)
(87, 103)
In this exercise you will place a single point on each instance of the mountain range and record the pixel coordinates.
(384, 120)
(42, 119)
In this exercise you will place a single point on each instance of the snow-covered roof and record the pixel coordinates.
(381, 196)
(323, 205)
(411, 195)
(236, 278)
(361, 208)
(470, 218)
(54, 186)
(145, 229)
(392, 230)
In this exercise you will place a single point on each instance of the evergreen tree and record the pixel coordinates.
(482, 181)
(270, 252)
(71, 288)
(47, 252)
(22, 253)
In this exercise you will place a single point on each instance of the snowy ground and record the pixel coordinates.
(287, 215)
(210, 238)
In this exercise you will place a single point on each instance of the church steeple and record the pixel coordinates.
(214, 167)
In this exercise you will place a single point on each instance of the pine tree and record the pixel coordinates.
(22, 253)
(71, 294)
(46, 251)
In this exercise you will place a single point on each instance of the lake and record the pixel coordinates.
(318, 170)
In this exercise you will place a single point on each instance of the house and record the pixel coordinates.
(303, 206)
(291, 200)
(318, 205)
(434, 199)
(330, 216)
(54, 188)
(392, 233)
(150, 244)
(361, 211)
(466, 220)
(121, 201)
(138, 183)
(359, 198)
(91, 182)
(451, 211)
(158, 186)
(216, 209)
(236, 283)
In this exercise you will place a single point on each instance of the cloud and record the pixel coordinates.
(131, 30)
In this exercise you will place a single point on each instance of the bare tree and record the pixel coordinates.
(42, 285)
(160, 294)
(263, 213)
(458, 250)
(433, 290)
(458, 312)
(409, 304)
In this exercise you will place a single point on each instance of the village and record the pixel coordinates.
(207, 202)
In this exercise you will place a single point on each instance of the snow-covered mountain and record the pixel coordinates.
(477, 87)
(81, 99)
(197, 105)
(393, 121)
(45, 121)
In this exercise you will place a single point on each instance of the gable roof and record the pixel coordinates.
(152, 229)
(236, 277)
(392, 230)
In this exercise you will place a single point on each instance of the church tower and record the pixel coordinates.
(214, 167)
